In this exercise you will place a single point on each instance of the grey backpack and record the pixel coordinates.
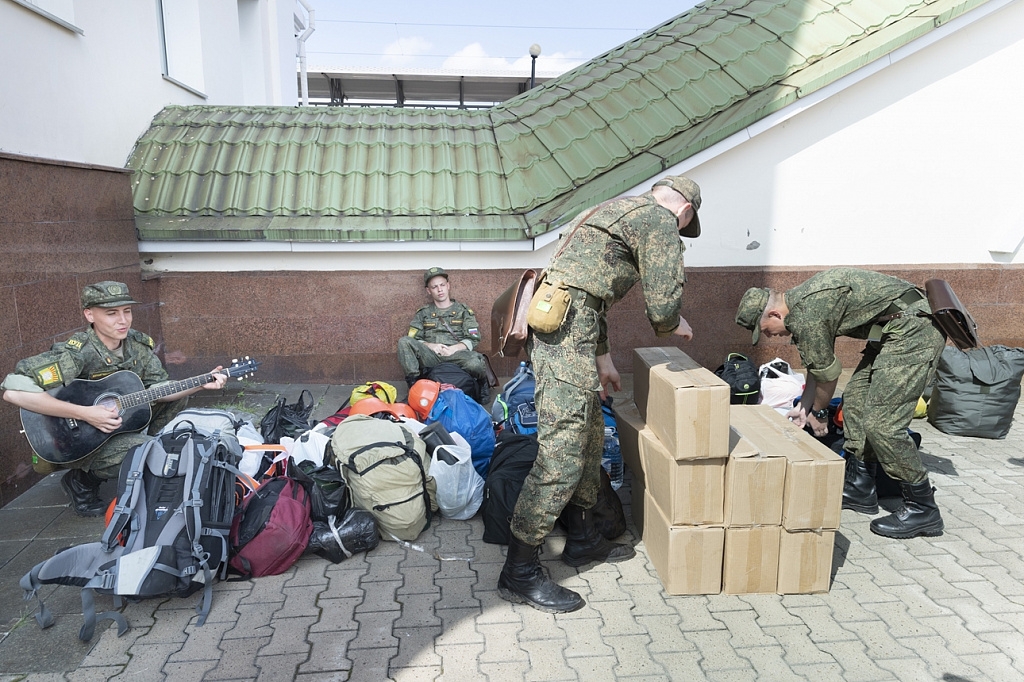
(976, 391)
(168, 534)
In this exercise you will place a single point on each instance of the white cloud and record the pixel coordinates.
(474, 57)
(405, 51)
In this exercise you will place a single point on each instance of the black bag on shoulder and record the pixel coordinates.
(511, 463)
(287, 420)
(742, 376)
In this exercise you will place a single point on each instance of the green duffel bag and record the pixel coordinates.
(385, 467)
(976, 391)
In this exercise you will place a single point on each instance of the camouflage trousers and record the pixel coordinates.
(880, 399)
(570, 427)
(106, 461)
(415, 359)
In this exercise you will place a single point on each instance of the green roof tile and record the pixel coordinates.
(523, 167)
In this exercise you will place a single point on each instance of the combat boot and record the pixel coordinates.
(859, 493)
(919, 514)
(83, 489)
(524, 581)
(584, 543)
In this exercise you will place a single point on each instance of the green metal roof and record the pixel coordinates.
(523, 167)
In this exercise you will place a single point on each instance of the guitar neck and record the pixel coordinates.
(164, 390)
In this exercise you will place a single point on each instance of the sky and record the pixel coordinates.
(481, 35)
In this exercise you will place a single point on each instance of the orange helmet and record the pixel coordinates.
(371, 406)
(422, 395)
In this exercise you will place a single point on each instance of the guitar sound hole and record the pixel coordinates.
(110, 402)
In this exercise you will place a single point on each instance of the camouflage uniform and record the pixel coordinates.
(449, 326)
(879, 400)
(83, 356)
(624, 242)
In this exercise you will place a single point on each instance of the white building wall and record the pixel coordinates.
(87, 97)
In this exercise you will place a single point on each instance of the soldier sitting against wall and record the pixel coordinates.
(442, 331)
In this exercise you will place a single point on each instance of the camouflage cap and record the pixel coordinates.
(432, 273)
(691, 192)
(751, 309)
(106, 295)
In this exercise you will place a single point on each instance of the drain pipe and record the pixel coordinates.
(310, 27)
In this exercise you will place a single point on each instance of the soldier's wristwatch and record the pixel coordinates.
(820, 415)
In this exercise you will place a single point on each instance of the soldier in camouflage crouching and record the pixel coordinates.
(107, 346)
(879, 401)
(604, 253)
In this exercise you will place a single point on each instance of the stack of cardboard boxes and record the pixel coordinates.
(729, 498)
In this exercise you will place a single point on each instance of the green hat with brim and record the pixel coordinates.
(106, 295)
(751, 309)
(432, 273)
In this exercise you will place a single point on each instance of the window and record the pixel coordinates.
(182, 43)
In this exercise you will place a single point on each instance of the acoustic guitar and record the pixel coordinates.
(60, 440)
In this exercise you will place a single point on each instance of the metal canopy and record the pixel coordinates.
(422, 89)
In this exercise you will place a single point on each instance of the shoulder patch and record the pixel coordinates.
(413, 331)
(143, 338)
(49, 376)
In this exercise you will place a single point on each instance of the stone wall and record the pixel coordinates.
(62, 226)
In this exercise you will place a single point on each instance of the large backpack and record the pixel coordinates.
(514, 408)
(742, 376)
(513, 458)
(385, 467)
(169, 531)
(272, 530)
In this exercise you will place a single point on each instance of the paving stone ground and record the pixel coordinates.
(945, 608)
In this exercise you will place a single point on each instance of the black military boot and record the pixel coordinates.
(83, 489)
(919, 514)
(584, 543)
(859, 492)
(524, 581)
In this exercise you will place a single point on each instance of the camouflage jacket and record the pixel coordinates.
(628, 240)
(834, 303)
(84, 356)
(449, 326)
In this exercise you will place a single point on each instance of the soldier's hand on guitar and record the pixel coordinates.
(103, 417)
(218, 379)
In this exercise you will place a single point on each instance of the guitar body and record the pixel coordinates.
(59, 440)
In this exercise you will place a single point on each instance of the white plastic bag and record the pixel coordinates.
(780, 385)
(460, 489)
(310, 446)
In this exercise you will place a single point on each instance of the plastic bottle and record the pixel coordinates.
(611, 460)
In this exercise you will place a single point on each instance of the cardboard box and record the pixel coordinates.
(690, 493)
(754, 484)
(646, 358)
(813, 494)
(629, 424)
(688, 409)
(751, 563)
(688, 559)
(805, 561)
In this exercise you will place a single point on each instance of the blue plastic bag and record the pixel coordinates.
(458, 413)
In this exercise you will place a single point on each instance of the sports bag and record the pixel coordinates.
(385, 467)
(374, 389)
(514, 408)
(742, 376)
(272, 530)
(458, 413)
(976, 391)
(513, 458)
(168, 533)
(450, 373)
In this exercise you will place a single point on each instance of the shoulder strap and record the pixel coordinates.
(577, 226)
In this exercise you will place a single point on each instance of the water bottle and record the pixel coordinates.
(611, 460)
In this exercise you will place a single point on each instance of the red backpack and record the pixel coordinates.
(272, 530)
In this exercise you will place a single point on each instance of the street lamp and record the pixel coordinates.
(534, 53)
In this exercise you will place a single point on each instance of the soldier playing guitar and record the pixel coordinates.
(108, 346)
